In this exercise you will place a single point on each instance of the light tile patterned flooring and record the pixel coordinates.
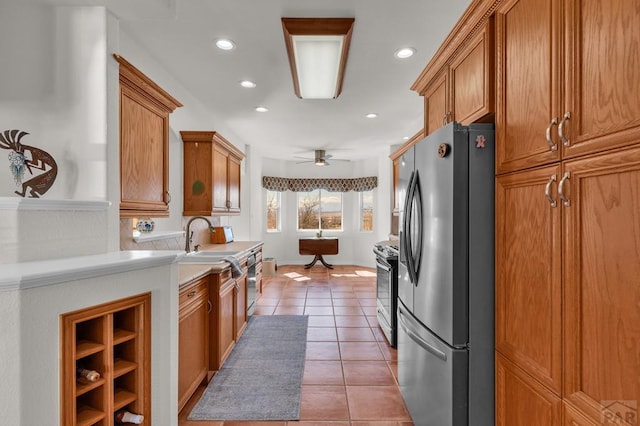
(350, 370)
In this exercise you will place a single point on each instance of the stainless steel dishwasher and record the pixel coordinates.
(251, 282)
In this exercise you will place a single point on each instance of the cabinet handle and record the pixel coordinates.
(547, 191)
(228, 204)
(210, 306)
(445, 118)
(191, 293)
(565, 141)
(564, 199)
(168, 197)
(552, 145)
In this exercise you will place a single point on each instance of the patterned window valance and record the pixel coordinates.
(309, 184)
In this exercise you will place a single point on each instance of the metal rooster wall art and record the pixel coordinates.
(19, 162)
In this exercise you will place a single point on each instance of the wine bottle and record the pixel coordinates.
(90, 375)
(122, 416)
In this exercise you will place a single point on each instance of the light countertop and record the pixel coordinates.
(191, 271)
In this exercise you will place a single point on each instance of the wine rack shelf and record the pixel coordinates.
(113, 339)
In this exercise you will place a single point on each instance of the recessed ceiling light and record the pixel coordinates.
(248, 84)
(262, 109)
(405, 52)
(371, 115)
(225, 44)
(406, 138)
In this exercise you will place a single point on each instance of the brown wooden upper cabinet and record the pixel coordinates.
(144, 144)
(462, 88)
(559, 96)
(211, 174)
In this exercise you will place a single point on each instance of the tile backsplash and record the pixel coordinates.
(200, 236)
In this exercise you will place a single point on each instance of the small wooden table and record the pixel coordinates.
(318, 247)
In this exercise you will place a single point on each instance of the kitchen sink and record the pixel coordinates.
(207, 256)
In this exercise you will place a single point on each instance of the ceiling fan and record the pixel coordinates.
(320, 159)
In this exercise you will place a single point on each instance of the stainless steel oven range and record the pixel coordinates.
(387, 288)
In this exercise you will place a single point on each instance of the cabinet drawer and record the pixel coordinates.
(193, 292)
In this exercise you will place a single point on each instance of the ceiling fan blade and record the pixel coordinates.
(328, 156)
(308, 161)
(303, 158)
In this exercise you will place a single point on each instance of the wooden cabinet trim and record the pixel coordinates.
(472, 20)
(483, 39)
(143, 85)
(408, 144)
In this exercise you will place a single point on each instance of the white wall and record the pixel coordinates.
(54, 88)
(354, 246)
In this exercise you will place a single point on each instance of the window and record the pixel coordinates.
(273, 211)
(319, 209)
(366, 210)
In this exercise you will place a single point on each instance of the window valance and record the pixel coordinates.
(329, 184)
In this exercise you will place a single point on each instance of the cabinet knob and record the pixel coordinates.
(168, 197)
(191, 293)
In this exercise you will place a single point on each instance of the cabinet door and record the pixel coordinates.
(436, 103)
(233, 184)
(220, 175)
(528, 286)
(144, 182)
(601, 253)
(603, 83)
(197, 179)
(528, 97)
(573, 417)
(241, 305)
(472, 75)
(225, 323)
(521, 401)
(193, 355)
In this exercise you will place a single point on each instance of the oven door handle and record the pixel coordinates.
(383, 266)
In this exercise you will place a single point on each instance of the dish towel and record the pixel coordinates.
(236, 270)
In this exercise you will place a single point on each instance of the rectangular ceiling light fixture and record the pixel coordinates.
(317, 50)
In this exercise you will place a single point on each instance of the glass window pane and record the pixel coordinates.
(331, 207)
(309, 210)
(273, 211)
(366, 211)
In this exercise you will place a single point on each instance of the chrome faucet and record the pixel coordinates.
(189, 236)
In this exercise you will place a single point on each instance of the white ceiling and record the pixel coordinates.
(180, 35)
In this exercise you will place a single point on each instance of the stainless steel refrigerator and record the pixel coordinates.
(446, 277)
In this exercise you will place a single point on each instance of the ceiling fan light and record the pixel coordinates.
(320, 163)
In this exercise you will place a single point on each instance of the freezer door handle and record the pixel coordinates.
(419, 340)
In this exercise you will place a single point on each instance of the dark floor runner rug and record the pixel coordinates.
(262, 378)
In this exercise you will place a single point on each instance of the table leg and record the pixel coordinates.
(315, 259)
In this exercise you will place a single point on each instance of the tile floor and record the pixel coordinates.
(350, 370)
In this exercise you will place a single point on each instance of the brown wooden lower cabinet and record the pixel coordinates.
(521, 400)
(528, 273)
(573, 417)
(113, 339)
(222, 336)
(228, 318)
(193, 338)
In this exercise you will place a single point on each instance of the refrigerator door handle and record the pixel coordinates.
(405, 253)
(419, 340)
(408, 229)
(417, 256)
